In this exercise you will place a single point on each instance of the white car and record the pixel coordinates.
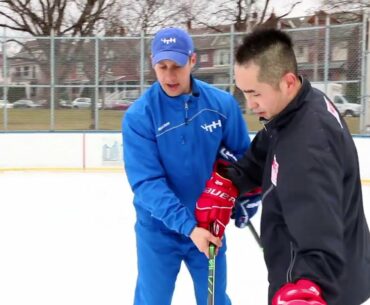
(83, 102)
(25, 104)
(346, 108)
(8, 105)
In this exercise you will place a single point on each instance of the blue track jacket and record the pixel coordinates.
(170, 146)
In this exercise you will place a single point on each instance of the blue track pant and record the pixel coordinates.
(160, 253)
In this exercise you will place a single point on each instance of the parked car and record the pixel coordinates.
(65, 104)
(25, 104)
(334, 91)
(346, 108)
(8, 105)
(43, 103)
(83, 102)
(119, 105)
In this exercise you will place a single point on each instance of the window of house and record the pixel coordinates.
(132, 92)
(26, 71)
(33, 72)
(340, 51)
(221, 79)
(221, 41)
(203, 58)
(110, 54)
(18, 71)
(80, 68)
(222, 57)
(147, 63)
(301, 53)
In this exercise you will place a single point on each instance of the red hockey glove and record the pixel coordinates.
(213, 208)
(304, 292)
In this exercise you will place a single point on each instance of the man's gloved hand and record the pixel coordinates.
(213, 208)
(303, 292)
(246, 206)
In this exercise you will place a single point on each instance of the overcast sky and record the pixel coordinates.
(302, 9)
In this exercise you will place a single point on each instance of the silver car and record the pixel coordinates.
(83, 102)
(25, 104)
(3, 104)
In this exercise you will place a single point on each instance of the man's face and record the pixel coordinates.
(263, 99)
(174, 79)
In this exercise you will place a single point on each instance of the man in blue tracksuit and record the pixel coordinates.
(171, 137)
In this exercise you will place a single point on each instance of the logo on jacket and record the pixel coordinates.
(212, 126)
(332, 111)
(274, 171)
(227, 155)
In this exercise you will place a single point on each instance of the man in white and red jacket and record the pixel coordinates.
(313, 229)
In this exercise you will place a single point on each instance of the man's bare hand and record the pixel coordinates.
(202, 238)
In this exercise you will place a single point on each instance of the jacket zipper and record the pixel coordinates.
(186, 113)
(291, 265)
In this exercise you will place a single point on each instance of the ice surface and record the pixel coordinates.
(67, 239)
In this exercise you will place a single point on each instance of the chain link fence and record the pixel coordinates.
(87, 83)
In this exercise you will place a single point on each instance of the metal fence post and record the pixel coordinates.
(52, 81)
(96, 111)
(367, 71)
(363, 115)
(142, 61)
(365, 66)
(327, 52)
(5, 75)
(231, 68)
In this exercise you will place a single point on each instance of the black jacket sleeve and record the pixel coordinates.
(246, 174)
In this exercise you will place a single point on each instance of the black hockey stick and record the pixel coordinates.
(254, 233)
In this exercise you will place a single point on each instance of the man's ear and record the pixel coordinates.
(193, 59)
(289, 82)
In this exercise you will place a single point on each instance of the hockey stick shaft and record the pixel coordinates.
(211, 274)
(254, 233)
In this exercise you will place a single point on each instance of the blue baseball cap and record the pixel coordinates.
(172, 44)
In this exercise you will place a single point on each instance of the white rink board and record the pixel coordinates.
(40, 150)
(363, 151)
(61, 151)
(92, 151)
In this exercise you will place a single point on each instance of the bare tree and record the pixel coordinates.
(345, 5)
(70, 18)
(243, 14)
(150, 15)
(346, 10)
(63, 17)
